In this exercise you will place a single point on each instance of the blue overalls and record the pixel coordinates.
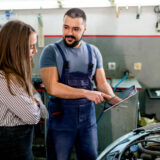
(72, 122)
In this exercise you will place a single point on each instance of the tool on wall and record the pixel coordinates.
(112, 2)
(138, 12)
(60, 3)
(9, 14)
(40, 31)
(157, 10)
(117, 11)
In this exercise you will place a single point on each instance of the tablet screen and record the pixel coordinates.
(124, 95)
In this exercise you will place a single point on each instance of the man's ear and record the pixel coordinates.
(85, 28)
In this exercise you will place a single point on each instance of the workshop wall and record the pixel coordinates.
(124, 40)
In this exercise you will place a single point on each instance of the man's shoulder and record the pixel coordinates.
(94, 48)
(49, 48)
(52, 45)
(91, 45)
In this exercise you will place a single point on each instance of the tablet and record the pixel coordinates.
(124, 95)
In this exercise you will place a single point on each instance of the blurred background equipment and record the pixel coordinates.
(39, 139)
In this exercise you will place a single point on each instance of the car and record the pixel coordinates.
(140, 144)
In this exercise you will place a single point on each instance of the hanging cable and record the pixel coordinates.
(102, 112)
(125, 77)
(100, 116)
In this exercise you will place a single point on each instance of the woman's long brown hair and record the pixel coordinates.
(14, 54)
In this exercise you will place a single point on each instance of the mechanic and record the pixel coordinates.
(67, 69)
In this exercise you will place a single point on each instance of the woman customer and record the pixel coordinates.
(19, 110)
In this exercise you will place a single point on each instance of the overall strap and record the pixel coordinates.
(90, 65)
(62, 54)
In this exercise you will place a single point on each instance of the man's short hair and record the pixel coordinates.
(76, 13)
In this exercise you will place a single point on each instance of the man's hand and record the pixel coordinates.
(114, 100)
(96, 96)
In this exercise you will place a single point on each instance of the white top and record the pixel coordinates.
(19, 109)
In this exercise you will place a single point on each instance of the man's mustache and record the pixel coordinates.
(70, 37)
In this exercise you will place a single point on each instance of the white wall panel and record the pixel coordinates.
(100, 21)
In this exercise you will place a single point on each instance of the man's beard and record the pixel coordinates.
(74, 44)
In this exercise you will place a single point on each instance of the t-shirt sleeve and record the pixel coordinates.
(48, 57)
(98, 57)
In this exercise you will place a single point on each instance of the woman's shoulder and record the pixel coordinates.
(13, 86)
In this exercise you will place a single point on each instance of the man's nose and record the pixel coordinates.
(70, 31)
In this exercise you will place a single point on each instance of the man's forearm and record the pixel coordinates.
(106, 88)
(64, 91)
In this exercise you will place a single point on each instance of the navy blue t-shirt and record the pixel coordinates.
(77, 57)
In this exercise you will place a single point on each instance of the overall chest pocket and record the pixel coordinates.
(78, 83)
